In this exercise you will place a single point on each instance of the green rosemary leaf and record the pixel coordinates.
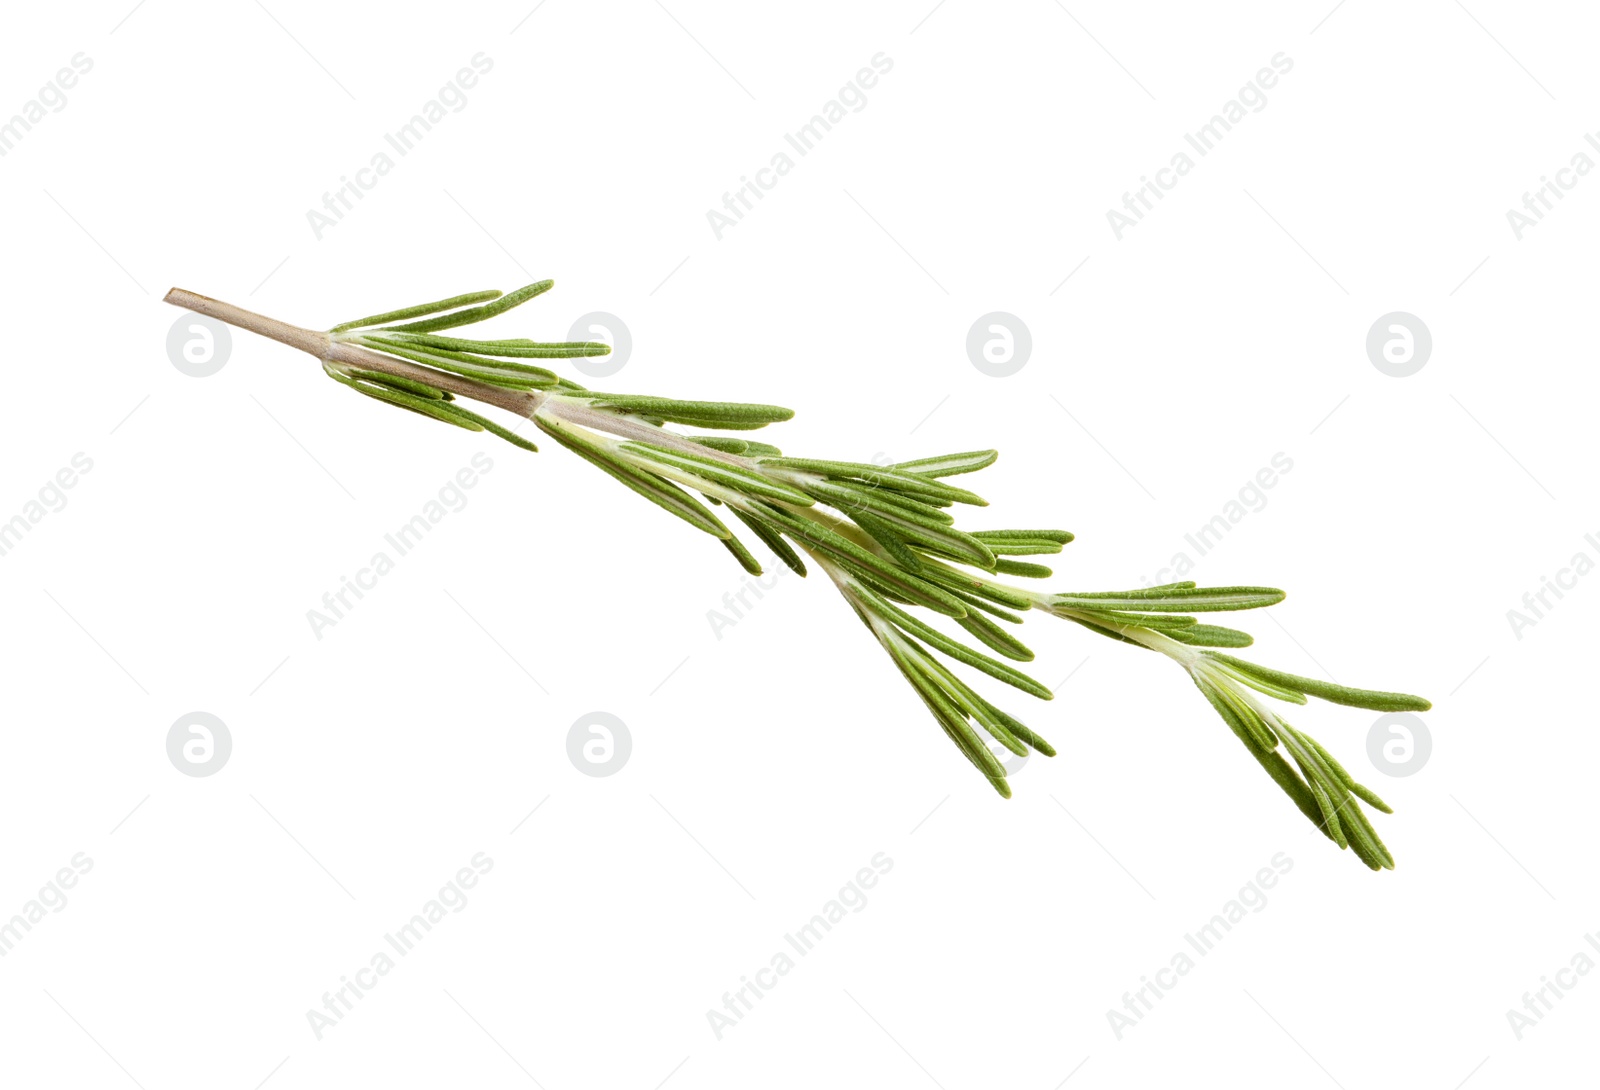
(1018, 567)
(730, 445)
(1277, 692)
(1022, 731)
(907, 586)
(504, 377)
(973, 601)
(1241, 716)
(742, 555)
(1177, 600)
(476, 314)
(1366, 841)
(773, 540)
(726, 444)
(1032, 548)
(1006, 538)
(977, 708)
(1266, 755)
(952, 544)
(489, 426)
(516, 349)
(938, 502)
(848, 496)
(418, 311)
(410, 386)
(1109, 633)
(995, 637)
(1330, 814)
(983, 588)
(879, 475)
(741, 480)
(940, 642)
(1326, 690)
(948, 715)
(545, 376)
(885, 535)
(1345, 821)
(1165, 623)
(948, 465)
(724, 414)
(422, 406)
(664, 494)
(922, 529)
(1364, 794)
(859, 561)
(1209, 635)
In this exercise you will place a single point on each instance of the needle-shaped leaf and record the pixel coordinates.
(663, 493)
(478, 313)
(774, 541)
(521, 349)
(1006, 538)
(418, 310)
(743, 480)
(956, 650)
(1177, 599)
(879, 475)
(1209, 635)
(886, 536)
(1371, 699)
(742, 555)
(1003, 566)
(948, 465)
(718, 414)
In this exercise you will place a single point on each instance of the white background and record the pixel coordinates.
(768, 766)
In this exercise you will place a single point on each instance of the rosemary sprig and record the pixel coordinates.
(884, 535)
